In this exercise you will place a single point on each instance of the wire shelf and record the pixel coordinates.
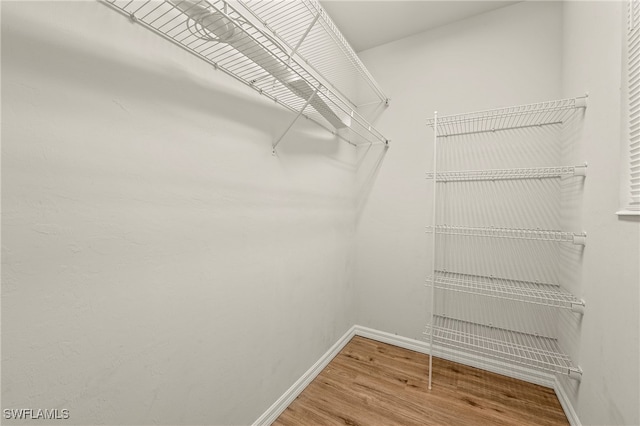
(514, 117)
(308, 31)
(521, 291)
(511, 233)
(222, 36)
(509, 174)
(527, 350)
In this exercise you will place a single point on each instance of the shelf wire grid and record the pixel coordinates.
(509, 174)
(527, 350)
(509, 233)
(507, 289)
(514, 117)
(308, 31)
(220, 35)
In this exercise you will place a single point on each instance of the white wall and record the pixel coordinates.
(608, 269)
(158, 264)
(506, 57)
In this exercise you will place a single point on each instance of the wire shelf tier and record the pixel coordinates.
(515, 117)
(511, 233)
(527, 350)
(224, 37)
(509, 174)
(308, 31)
(521, 291)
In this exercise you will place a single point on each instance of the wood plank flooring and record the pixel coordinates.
(372, 383)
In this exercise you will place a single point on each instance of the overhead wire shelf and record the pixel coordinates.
(509, 174)
(512, 347)
(511, 233)
(514, 117)
(516, 290)
(221, 35)
(308, 31)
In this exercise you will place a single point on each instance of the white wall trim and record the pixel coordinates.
(566, 404)
(392, 339)
(531, 376)
(296, 389)
(524, 374)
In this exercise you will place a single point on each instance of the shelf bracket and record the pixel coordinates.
(578, 306)
(580, 239)
(580, 170)
(277, 141)
(575, 373)
(581, 101)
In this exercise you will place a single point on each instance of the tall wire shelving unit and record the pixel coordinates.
(290, 52)
(487, 342)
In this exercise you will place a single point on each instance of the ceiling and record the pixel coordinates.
(367, 23)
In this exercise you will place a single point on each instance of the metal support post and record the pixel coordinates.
(433, 242)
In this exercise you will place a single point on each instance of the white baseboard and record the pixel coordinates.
(524, 374)
(565, 402)
(392, 339)
(296, 389)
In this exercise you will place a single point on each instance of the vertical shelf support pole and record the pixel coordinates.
(433, 241)
(277, 141)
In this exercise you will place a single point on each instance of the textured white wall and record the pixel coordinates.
(159, 266)
(506, 57)
(607, 273)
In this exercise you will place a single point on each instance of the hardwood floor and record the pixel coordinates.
(372, 383)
